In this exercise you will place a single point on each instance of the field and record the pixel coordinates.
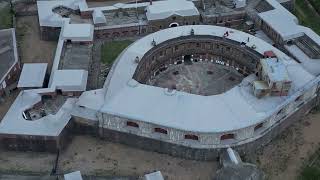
(308, 16)
(5, 16)
(111, 50)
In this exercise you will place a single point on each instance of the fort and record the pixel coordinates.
(201, 77)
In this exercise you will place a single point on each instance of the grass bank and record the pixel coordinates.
(5, 17)
(306, 16)
(111, 50)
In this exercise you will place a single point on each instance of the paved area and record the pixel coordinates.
(76, 56)
(203, 78)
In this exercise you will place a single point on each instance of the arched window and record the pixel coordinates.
(160, 130)
(191, 137)
(298, 98)
(258, 126)
(227, 136)
(132, 124)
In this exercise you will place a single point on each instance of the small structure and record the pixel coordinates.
(154, 176)
(260, 88)
(78, 32)
(73, 176)
(275, 75)
(234, 169)
(269, 54)
(164, 9)
(70, 82)
(240, 3)
(98, 17)
(32, 75)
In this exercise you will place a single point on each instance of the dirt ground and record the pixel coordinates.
(105, 158)
(97, 157)
(284, 157)
(31, 48)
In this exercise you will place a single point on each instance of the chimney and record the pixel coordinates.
(150, 2)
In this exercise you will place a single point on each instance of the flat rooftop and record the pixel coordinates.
(32, 75)
(181, 110)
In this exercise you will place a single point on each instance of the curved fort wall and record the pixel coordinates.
(204, 145)
(201, 47)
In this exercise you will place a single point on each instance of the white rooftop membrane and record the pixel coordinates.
(50, 125)
(78, 32)
(70, 80)
(32, 75)
(224, 112)
(167, 8)
(286, 25)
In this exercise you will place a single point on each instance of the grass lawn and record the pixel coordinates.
(310, 173)
(311, 168)
(305, 15)
(5, 17)
(316, 4)
(111, 50)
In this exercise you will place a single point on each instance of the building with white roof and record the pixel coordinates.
(70, 80)
(78, 32)
(154, 176)
(165, 9)
(32, 75)
(98, 17)
(73, 176)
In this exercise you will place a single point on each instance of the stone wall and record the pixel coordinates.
(232, 19)
(202, 47)
(49, 33)
(18, 142)
(200, 152)
(156, 25)
(112, 33)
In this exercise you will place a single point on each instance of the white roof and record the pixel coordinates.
(181, 110)
(260, 85)
(154, 176)
(276, 70)
(281, 20)
(282, 23)
(73, 176)
(78, 32)
(165, 9)
(48, 18)
(50, 125)
(32, 75)
(98, 17)
(70, 80)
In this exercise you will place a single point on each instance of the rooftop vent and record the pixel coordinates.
(192, 32)
(169, 92)
(132, 83)
(137, 59)
(153, 43)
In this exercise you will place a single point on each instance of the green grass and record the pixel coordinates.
(311, 168)
(111, 50)
(310, 173)
(5, 17)
(316, 4)
(305, 15)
